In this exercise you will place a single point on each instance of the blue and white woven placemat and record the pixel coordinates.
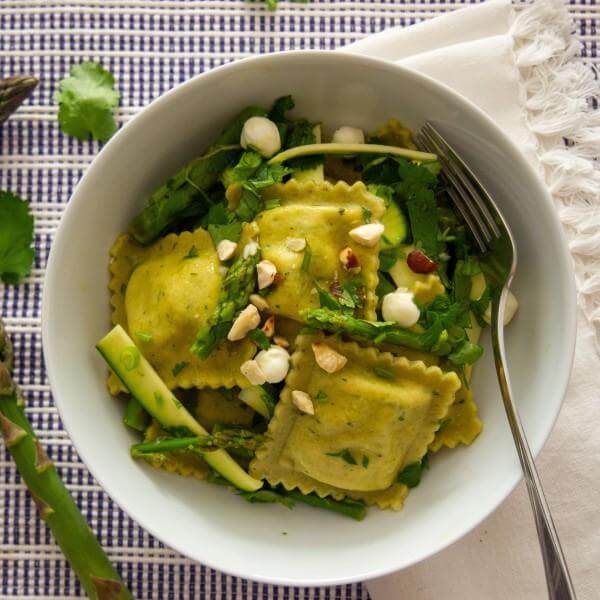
(150, 46)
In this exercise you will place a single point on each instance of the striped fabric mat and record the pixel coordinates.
(150, 46)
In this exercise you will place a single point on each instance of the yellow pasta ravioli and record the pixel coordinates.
(162, 294)
(372, 418)
(322, 214)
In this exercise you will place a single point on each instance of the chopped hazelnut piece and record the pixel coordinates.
(303, 402)
(327, 358)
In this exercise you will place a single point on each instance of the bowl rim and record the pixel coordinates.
(146, 114)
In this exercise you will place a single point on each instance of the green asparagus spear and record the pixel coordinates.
(238, 285)
(186, 188)
(379, 333)
(279, 495)
(350, 508)
(227, 438)
(13, 92)
(79, 545)
(170, 445)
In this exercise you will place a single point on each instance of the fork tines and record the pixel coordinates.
(466, 192)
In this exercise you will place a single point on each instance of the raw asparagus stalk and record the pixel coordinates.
(379, 333)
(13, 92)
(77, 541)
(239, 283)
(185, 189)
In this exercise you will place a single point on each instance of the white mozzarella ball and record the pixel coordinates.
(262, 135)
(348, 135)
(274, 363)
(399, 306)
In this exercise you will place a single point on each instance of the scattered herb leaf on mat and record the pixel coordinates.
(87, 100)
(16, 238)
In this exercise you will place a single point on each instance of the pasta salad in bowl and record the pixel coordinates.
(298, 318)
(264, 323)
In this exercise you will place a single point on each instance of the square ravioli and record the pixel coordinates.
(321, 215)
(375, 416)
(161, 295)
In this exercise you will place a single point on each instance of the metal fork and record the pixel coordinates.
(499, 262)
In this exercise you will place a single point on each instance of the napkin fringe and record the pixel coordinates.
(560, 101)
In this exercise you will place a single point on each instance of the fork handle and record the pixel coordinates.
(558, 580)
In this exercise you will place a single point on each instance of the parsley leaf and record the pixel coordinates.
(16, 238)
(87, 100)
(230, 231)
(416, 188)
(280, 107)
(259, 337)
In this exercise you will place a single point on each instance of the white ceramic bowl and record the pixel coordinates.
(205, 522)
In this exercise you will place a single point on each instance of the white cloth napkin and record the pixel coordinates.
(521, 66)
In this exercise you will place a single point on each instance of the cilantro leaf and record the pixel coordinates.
(246, 166)
(416, 188)
(16, 238)
(280, 107)
(87, 100)
(259, 337)
(466, 354)
(229, 231)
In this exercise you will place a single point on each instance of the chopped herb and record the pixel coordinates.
(365, 461)
(159, 399)
(16, 238)
(321, 397)
(259, 337)
(306, 259)
(383, 373)
(229, 231)
(272, 203)
(327, 300)
(478, 307)
(411, 475)
(345, 455)
(143, 337)
(416, 188)
(367, 214)
(193, 253)
(180, 366)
